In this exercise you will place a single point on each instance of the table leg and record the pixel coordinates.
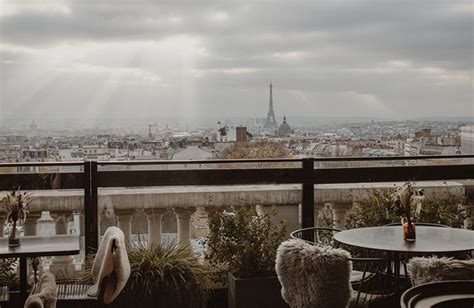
(23, 279)
(396, 270)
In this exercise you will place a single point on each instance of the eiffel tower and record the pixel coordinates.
(271, 122)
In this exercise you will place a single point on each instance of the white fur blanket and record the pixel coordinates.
(111, 261)
(46, 293)
(313, 276)
(433, 269)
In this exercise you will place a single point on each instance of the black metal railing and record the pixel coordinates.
(92, 175)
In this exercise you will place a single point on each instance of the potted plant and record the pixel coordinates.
(162, 275)
(407, 201)
(17, 207)
(245, 244)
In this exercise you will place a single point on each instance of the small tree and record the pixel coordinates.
(255, 150)
(244, 243)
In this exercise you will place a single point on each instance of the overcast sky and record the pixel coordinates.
(89, 58)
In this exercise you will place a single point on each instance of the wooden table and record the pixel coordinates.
(38, 246)
(432, 240)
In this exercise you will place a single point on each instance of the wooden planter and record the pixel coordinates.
(254, 292)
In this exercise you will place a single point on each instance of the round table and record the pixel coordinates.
(432, 240)
(390, 238)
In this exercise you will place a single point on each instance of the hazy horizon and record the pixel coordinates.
(371, 59)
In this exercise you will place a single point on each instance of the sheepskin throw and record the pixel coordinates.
(111, 261)
(313, 276)
(45, 295)
(433, 269)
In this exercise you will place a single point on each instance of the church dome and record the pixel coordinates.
(284, 129)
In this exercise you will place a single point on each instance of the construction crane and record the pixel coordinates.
(150, 136)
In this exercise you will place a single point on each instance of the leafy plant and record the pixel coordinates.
(380, 209)
(447, 211)
(376, 210)
(164, 275)
(243, 242)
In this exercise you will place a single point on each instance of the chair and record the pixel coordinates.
(433, 269)
(114, 240)
(368, 277)
(44, 293)
(445, 294)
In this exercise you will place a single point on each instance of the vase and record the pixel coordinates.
(409, 231)
(13, 239)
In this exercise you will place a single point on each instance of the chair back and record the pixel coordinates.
(313, 275)
(458, 294)
(432, 269)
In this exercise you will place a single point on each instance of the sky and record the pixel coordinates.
(397, 59)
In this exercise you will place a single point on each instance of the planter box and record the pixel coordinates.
(254, 292)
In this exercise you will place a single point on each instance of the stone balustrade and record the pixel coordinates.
(126, 204)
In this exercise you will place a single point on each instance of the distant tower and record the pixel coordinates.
(271, 122)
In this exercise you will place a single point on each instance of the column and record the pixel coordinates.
(469, 221)
(62, 267)
(183, 217)
(154, 217)
(124, 221)
(318, 206)
(339, 210)
(31, 222)
(3, 216)
(210, 210)
(82, 224)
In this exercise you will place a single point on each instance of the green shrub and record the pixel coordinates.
(244, 243)
(379, 209)
(164, 275)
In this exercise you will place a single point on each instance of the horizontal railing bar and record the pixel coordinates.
(33, 181)
(198, 177)
(281, 175)
(421, 157)
(196, 162)
(40, 164)
(393, 174)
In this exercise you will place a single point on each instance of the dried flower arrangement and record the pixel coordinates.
(17, 206)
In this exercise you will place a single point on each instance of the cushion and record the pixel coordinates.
(45, 295)
(313, 276)
(433, 269)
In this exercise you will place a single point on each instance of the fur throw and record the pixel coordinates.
(424, 270)
(111, 262)
(46, 293)
(313, 276)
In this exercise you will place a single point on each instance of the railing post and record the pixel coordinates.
(307, 202)
(91, 218)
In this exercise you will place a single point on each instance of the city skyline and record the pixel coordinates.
(327, 59)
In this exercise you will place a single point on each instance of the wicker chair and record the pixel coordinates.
(369, 277)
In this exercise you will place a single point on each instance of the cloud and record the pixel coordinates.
(218, 56)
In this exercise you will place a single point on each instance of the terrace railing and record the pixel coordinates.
(92, 176)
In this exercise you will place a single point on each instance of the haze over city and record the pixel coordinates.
(209, 59)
